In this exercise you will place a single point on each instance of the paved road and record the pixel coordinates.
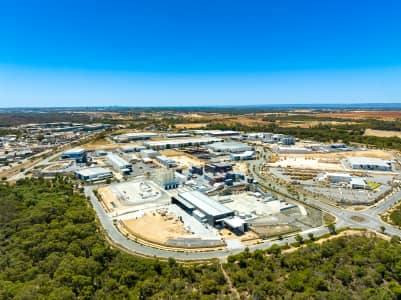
(368, 218)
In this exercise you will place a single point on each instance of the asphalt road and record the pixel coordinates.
(368, 218)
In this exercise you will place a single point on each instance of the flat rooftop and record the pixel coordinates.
(92, 171)
(368, 161)
(181, 141)
(204, 203)
(117, 160)
(74, 151)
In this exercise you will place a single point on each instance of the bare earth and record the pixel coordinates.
(382, 133)
(368, 153)
(156, 228)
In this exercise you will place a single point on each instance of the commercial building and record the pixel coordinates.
(358, 183)
(354, 182)
(218, 167)
(165, 161)
(293, 150)
(166, 179)
(79, 154)
(93, 174)
(217, 133)
(132, 148)
(135, 136)
(232, 147)
(177, 135)
(335, 177)
(202, 207)
(247, 155)
(119, 164)
(279, 139)
(368, 163)
(178, 143)
(149, 153)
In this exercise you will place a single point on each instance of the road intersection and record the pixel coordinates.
(367, 219)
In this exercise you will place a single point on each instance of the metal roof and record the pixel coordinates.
(119, 161)
(74, 151)
(204, 203)
(234, 222)
(92, 171)
(181, 141)
(368, 161)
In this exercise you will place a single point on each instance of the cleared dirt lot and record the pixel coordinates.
(360, 114)
(190, 125)
(382, 133)
(368, 153)
(156, 228)
(109, 199)
(311, 124)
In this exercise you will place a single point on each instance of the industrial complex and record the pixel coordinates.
(198, 190)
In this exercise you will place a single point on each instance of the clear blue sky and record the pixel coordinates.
(86, 52)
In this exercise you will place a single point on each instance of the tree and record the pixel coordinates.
(332, 228)
(299, 238)
(382, 229)
(311, 236)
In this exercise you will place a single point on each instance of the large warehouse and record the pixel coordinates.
(368, 163)
(119, 164)
(135, 136)
(177, 143)
(79, 154)
(202, 207)
(232, 147)
(93, 174)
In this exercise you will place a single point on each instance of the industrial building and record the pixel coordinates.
(79, 154)
(135, 136)
(293, 150)
(368, 163)
(131, 148)
(119, 164)
(279, 139)
(202, 207)
(247, 155)
(165, 161)
(358, 183)
(177, 143)
(217, 133)
(335, 177)
(149, 153)
(93, 174)
(354, 182)
(177, 135)
(166, 179)
(232, 147)
(218, 167)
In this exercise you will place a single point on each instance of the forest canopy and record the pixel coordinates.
(52, 248)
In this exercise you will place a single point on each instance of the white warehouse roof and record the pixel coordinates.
(74, 151)
(204, 203)
(92, 171)
(368, 161)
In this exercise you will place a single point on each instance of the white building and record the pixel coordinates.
(231, 147)
(358, 183)
(368, 163)
(165, 161)
(149, 153)
(177, 143)
(93, 174)
(247, 155)
(135, 136)
(119, 164)
(335, 177)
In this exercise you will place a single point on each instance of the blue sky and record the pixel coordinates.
(82, 53)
